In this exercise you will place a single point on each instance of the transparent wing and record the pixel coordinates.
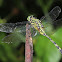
(50, 18)
(18, 31)
(58, 23)
(17, 27)
(14, 39)
(53, 14)
(10, 27)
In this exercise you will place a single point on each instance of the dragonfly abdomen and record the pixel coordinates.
(54, 43)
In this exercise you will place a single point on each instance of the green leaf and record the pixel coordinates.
(46, 50)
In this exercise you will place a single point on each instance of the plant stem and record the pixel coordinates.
(28, 45)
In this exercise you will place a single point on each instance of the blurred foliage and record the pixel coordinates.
(18, 10)
(45, 5)
(1, 2)
(45, 50)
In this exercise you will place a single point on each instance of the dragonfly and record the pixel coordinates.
(38, 26)
(35, 24)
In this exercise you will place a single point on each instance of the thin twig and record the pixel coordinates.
(28, 45)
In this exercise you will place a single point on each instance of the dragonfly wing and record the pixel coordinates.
(18, 27)
(7, 27)
(10, 27)
(53, 14)
(22, 30)
(48, 19)
(14, 39)
(19, 32)
(58, 23)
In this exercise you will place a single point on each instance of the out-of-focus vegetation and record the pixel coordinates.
(17, 11)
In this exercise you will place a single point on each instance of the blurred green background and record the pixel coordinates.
(17, 11)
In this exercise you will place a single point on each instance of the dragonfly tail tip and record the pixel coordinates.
(61, 51)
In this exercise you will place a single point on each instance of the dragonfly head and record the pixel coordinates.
(29, 18)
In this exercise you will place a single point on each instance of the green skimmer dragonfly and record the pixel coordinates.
(34, 24)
